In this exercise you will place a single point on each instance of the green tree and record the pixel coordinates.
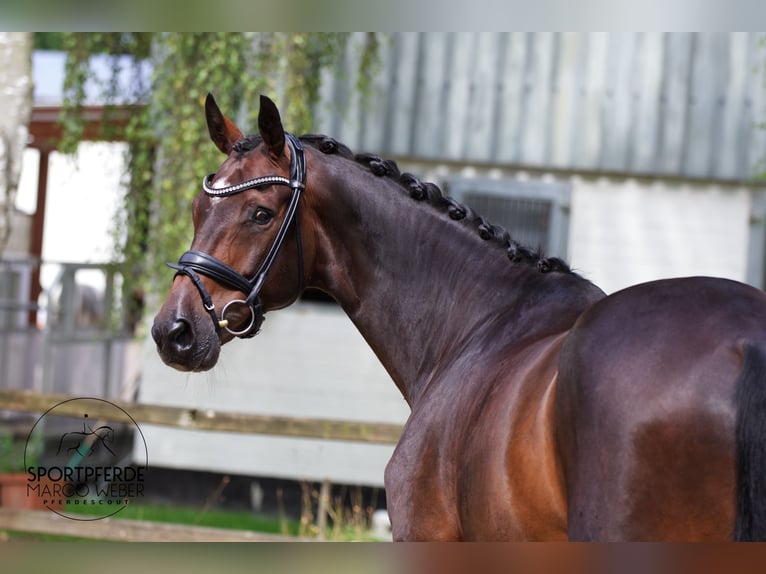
(169, 149)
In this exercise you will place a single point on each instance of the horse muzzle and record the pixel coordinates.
(183, 345)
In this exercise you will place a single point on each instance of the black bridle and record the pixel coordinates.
(193, 262)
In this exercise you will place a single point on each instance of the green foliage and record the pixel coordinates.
(14, 449)
(169, 147)
(49, 41)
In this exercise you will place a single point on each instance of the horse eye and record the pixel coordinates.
(261, 216)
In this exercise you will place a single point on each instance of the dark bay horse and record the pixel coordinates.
(541, 408)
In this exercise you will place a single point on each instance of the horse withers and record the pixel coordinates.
(541, 408)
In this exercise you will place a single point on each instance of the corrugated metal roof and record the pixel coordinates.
(672, 104)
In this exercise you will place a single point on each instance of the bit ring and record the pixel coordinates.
(224, 323)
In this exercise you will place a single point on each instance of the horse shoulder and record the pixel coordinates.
(487, 470)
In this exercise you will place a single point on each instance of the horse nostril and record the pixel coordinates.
(158, 334)
(181, 335)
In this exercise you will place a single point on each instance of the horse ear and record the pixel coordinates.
(270, 127)
(222, 130)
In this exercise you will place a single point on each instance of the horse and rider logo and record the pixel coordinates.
(87, 441)
(94, 465)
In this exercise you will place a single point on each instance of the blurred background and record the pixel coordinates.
(634, 156)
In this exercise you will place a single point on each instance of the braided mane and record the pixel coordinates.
(430, 193)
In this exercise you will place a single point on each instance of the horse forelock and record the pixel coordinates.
(246, 144)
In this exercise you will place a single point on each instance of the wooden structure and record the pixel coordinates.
(45, 522)
(208, 420)
(45, 136)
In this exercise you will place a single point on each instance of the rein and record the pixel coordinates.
(195, 262)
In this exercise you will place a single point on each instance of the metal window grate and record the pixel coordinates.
(527, 220)
(535, 213)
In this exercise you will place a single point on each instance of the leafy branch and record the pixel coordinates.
(168, 146)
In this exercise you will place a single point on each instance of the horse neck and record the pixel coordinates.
(418, 286)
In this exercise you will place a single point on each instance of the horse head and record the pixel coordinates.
(246, 256)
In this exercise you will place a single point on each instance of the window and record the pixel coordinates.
(535, 213)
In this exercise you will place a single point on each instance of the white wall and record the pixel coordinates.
(624, 232)
(309, 362)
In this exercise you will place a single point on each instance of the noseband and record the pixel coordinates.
(195, 262)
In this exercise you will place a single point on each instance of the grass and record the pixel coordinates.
(232, 519)
(236, 520)
(345, 522)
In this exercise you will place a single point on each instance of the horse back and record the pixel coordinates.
(646, 410)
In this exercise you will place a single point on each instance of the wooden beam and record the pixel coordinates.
(124, 530)
(36, 233)
(206, 419)
(99, 124)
